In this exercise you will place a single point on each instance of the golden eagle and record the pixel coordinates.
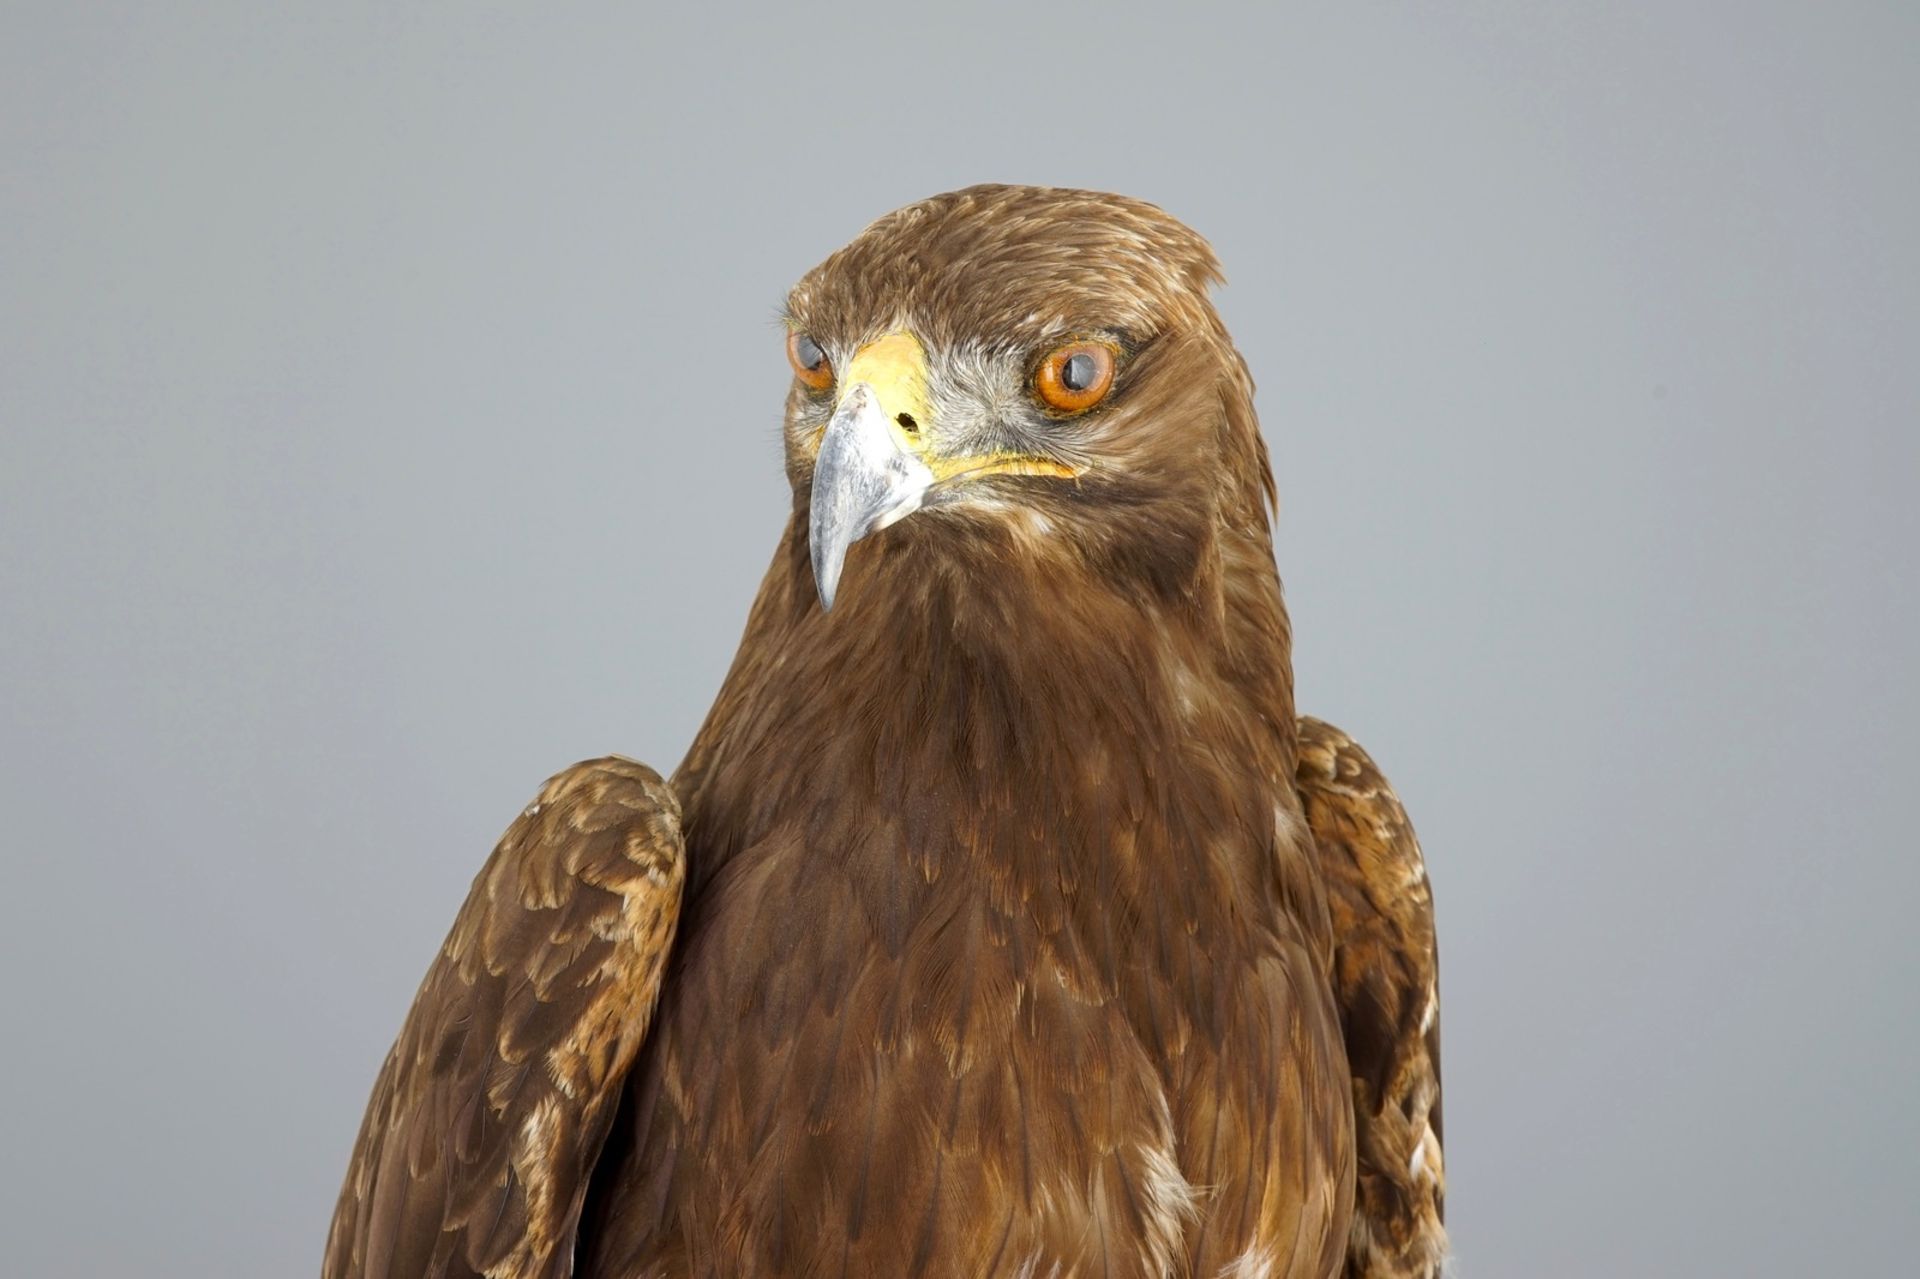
(1003, 918)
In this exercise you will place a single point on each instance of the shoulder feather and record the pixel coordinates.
(1386, 983)
(493, 1104)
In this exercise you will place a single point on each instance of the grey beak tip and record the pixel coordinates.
(826, 563)
(862, 480)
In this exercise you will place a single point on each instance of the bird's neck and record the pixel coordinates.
(1000, 705)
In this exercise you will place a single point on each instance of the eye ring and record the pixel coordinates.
(1075, 377)
(810, 363)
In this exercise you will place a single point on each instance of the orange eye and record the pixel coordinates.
(1075, 377)
(809, 361)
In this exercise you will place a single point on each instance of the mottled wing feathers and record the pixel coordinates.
(494, 1102)
(1386, 983)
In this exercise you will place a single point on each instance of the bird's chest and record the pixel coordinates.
(946, 1071)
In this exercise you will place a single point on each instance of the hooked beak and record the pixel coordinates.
(864, 478)
(881, 455)
(873, 466)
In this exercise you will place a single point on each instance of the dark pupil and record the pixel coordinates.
(809, 353)
(1078, 373)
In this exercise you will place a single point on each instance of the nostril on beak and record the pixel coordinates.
(907, 423)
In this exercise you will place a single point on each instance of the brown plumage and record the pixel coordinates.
(1025, 930)
(1386, 979)
(492, 1107)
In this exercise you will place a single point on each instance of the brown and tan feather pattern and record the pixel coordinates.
(1386, 982)
(492, 1107)
(1027, 932)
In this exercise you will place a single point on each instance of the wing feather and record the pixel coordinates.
(1386, 983)
(491, 1109)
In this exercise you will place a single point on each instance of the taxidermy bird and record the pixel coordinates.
(1003, 918)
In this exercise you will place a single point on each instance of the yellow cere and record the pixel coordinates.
(895, 366)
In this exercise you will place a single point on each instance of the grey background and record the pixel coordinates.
(388, 417)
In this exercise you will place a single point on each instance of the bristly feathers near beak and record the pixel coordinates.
(864, 478)
(881, 453)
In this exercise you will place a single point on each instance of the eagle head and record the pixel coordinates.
(1034, 370)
